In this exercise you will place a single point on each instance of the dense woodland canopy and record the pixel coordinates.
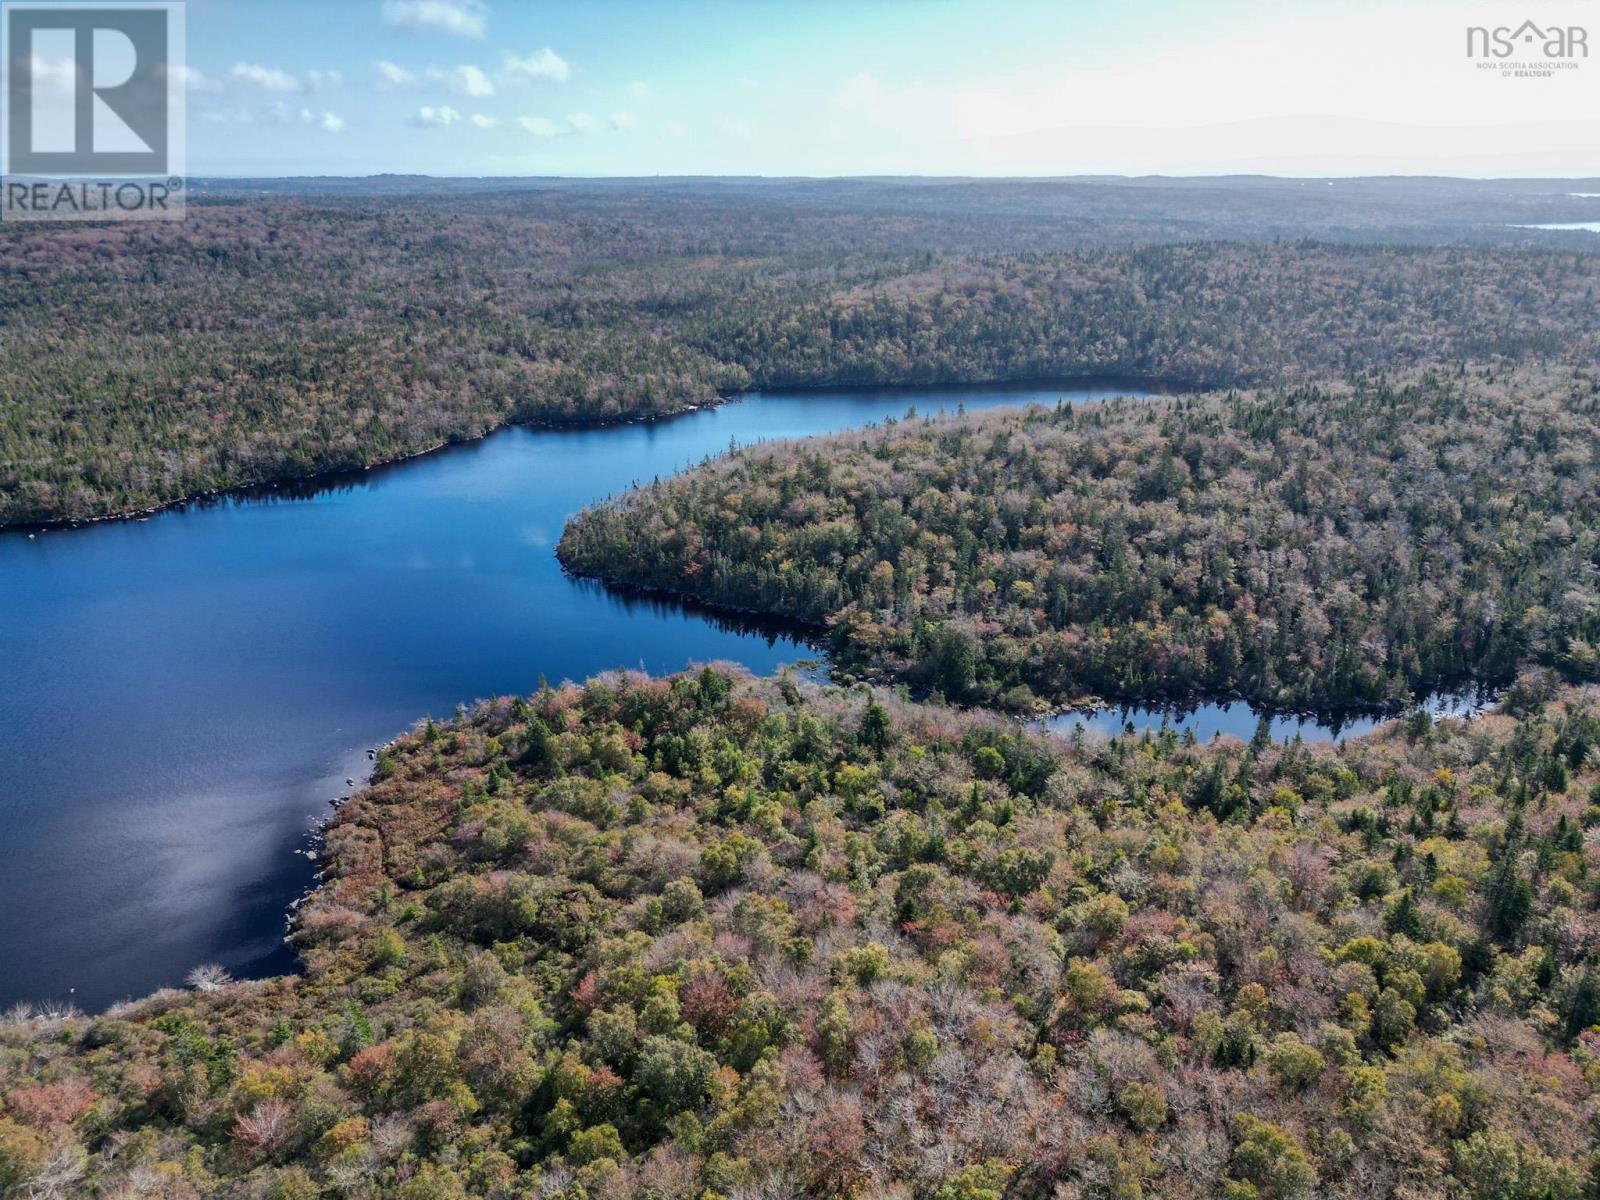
(1315, 546)
(707, 938)
(703, 937)
(909, 212)
(283, 333)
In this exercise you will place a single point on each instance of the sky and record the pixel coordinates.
(860, 87)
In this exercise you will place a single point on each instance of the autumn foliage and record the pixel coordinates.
(1321, 546)
(710, 937)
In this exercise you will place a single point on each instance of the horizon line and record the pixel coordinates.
(1087, 176)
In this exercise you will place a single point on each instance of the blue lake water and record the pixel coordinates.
(183, 695)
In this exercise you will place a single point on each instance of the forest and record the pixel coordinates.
(712, 938)
(709, 937)
(1314, 546)
(280, 333)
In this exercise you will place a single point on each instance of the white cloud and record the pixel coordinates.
(737, 128)
(270, 78)
(484, 122)
(428, 115)
(545, 64)
(623, 120)
(573, 123)
(226, 116)
(393, 74)
(466, 79)
(541, 126)
(54, 75)
(462, 18)
(281, 113)
(640, 89)
(193, 79)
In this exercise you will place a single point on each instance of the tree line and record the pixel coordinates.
(288, 336)
(705, 937)
(1311, 547)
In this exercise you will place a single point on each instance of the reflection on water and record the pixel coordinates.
(763, 627)
(183, 695)
(1239, 720)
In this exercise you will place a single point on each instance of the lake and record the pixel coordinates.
(183, 695)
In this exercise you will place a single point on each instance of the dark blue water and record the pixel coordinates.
(182, 696)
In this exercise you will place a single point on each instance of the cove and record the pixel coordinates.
(183, 695)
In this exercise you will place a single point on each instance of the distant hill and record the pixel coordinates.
(290, 327)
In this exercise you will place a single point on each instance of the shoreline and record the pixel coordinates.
(1485, 694)
(330, 476)
(312, 844)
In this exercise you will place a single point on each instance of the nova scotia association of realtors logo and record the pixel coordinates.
(1528, 50)
(92, 127)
